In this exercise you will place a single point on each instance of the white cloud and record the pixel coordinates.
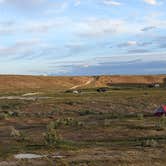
(22, 2)
(44, 6)
(128, 44)
(77, 2)
(132, 43)
(43, 26)
(151, 2)
(144, 57)
(153, 21)
(112, 3)
(20, 47)
(37, 27)
(90, 27)
(94, 27)
(57, 8)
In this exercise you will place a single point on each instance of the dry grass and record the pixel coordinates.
(113, 128)
(36, 83)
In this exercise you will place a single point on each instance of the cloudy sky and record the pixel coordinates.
(82, 37)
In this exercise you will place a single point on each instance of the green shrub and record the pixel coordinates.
(20, 136)
(65, 122)
(150, 143)
(86, 112)
(69, 103)
(140, 116)
(3, 116)
(15, 133)
(161, 124)
(54, 124)
(107, 122)
(51, 137)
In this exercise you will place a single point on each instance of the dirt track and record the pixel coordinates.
(85, 84)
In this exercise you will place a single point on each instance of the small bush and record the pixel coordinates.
(51, 137)
(8, 114)
(150, 143)
(54, 124)
(107, 122)
(65, 122)
(140, 116)
(69, 103)
(15, 133)
(20, 136)
(86, 112)
(3, 116)
(161, 124)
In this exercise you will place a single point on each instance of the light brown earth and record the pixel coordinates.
(14, 83)
(115, 128)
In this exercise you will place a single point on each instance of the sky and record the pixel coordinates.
(82, 37)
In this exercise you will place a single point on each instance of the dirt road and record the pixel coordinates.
(82, 85)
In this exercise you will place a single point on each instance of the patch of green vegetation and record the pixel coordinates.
(3, 116)
(150, 143)
(11, 104)
(8, 114)
(161, 123)
(86, 112)
(52, 138)
(18, 135)
(140, 116)
(65, 122)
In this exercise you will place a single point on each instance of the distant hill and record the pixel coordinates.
(14, 82)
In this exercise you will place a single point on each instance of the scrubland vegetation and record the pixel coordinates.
(94, 129)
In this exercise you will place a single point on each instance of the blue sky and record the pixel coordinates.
(82, 37)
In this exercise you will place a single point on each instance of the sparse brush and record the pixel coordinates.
(62, 162)
(86, 112)
(150, 143)
(52, 138)
(161, 124)
(69, 102)
(4, 116)
(15, 133)
(107, 122)
(140, 116)
(51, 125)
(65, 122)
